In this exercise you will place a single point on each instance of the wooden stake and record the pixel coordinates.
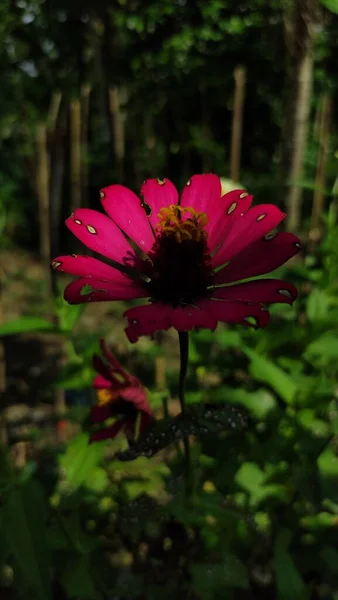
(42, 184)
(319, 193)
(237, 122)
(75, 153)
(118, 97)
(84, 98)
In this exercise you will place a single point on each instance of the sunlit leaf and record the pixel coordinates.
(80, 460)
(26, 325)
(332, 5)
(317, 305)
(266, 371)
(254, 481)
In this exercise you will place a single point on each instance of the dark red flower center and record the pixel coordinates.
(179, 264)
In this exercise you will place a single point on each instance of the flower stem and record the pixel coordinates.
(184, 356)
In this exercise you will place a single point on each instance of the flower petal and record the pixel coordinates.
(237, 312)
(146, 319)
(100, 382)
(266, 291)
(106, 374)
(252, 226)
(109, 432)
(203, 193)
(95, 290)
(137, 396)
(233, 206)
(124, 208)
(262, 256)
(146, 420)
(100, 234)
(86, 266)
(192, 317)
(98, 414)
(113, 361)
(157, 194)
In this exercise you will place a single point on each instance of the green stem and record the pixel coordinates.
(184, 356)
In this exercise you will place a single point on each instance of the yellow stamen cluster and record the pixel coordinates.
(173, 220)
(105, 396)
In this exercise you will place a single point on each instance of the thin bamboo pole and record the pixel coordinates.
(118, 97)
(237, 122)
(75, 153)
(319, 193)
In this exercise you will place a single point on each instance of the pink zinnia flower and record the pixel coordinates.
(184, 254)
(118, 395)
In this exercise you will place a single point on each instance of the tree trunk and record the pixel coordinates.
(117, 98)
(42, 186)
(319, 193)
(75, 153)
(299, 30)
(237, 122)
(58, 160)
(85, 96)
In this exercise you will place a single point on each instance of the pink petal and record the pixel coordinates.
(192, 317)
(98, 414)
(112, 360)
(124, 208)
(203, 193)
(237, 312)
(233, 206)
(266, 291)
(252, 226)
(146, 319)
(106, 372)
(262, 256)
(157, 194)
(108, 432)
(95, 290)
(86, 266)
(100, 234)
(137, 396)
(146, 420)
(101, 383)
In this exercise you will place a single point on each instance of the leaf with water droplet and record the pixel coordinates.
(198, 420)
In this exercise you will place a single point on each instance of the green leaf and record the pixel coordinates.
(80, 540)
(332, 5)
(324, 349)
(77, 581)
(320, 521)
(318, 427)
(288, 580)
(253, 480)
(329, 555)
(205, 419)
(26, 325)
(22, 517)
(264, 370)
(317, 305)
(80, 460)
(328, 463)
(68, 314)
(211, 579)
(258, 403)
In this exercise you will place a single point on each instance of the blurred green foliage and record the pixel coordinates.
(76, 522)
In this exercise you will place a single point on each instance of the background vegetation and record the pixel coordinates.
(104, 92)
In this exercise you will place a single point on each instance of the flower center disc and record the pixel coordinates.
(179, 264)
